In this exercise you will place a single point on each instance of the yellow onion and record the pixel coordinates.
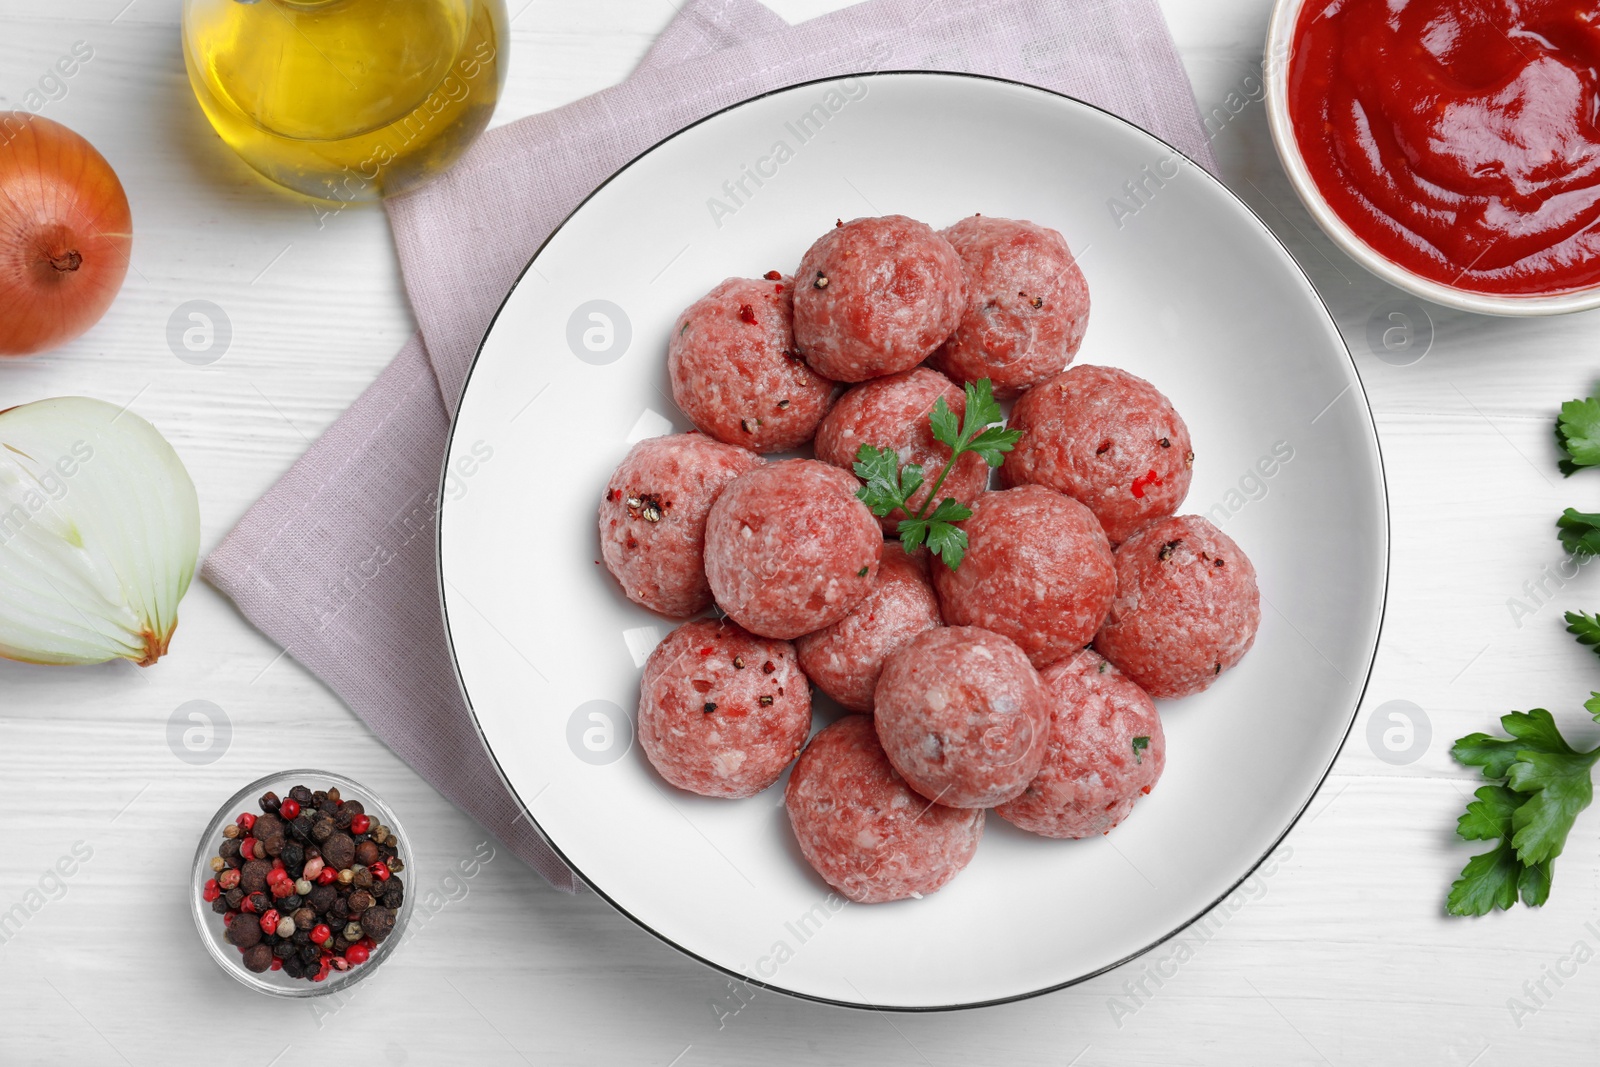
(99, 534)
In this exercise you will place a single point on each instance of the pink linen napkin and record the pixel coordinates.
(337, 563)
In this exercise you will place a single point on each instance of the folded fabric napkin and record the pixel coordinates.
(336, 562)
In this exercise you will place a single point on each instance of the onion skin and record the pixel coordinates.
(65, 234)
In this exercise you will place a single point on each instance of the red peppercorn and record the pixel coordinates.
(277, 865)
(360, 824)
(320, 933)
(380, 871)
(248, 905)
(322, 972)
(357, 953)
(228, 917)
(328, 876)
(277, 964)
(212, 890)
(282, 889)
(289, 809)
(269, 921)
(367, 943)
(246, 821)
(772, 275)
(247, 848)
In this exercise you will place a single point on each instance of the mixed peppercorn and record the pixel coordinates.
(308, 886)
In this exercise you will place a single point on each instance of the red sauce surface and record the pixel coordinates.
(1458, 138)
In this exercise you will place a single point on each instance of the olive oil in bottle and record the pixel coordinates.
(347, 100)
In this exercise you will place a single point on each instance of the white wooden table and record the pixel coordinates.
(1342, 955)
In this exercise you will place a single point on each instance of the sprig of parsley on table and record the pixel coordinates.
(1539, 784)
(1578, 433)
(889, 486)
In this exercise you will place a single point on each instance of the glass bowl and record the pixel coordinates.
(209, 923)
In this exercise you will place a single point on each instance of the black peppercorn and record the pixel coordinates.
(293, 967)
(293, 856)
(329, 806)
(220, 905)
(366, 853)
(234, 897)
(261, 902)
(310, 953)
(322, 898)
(360, 901)
(363, 878)
(302, 937)
(323, 829)
(284, 949)
(340, 910)
(343, 817)
(230, 852)
(270, 801)
(302, 795)
(289, 903)
(377, 922)
(354, 807)
(319, 797)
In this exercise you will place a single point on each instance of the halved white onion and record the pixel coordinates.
(99, 534)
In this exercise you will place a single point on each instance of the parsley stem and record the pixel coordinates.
(933, 494)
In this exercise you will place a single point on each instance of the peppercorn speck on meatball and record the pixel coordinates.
(1106, 750)
(790, 549)
(863, 829)
(722, 712)
(1027, 305)
(875, 296)
(1187, 607)
(893, 413)
(1038, 569)
(1108, 439)
(963, 716)
(737, 373)
(653, 519)
(845, 659)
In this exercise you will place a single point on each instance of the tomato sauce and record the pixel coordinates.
(1458, 138)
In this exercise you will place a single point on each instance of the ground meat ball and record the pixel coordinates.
(789, 548)
(721, 711)
(862, 827)
(846, 658)
(963, 716)
(875, 296)
(653, 518)
(1108, 439)
(1027, 305)
(1038, 569)
(893, 413)
(1186, 609)
(736, 372)
(1106, 751)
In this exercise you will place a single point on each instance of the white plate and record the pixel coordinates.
(1190, 290)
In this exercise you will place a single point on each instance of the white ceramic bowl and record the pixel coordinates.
(1279, 55)
(1191, 292)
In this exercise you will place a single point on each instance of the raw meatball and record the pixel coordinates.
(1186, 609)
(721, 711)
(846, 658)
(893, 413)
(1106, 751)
(863, 829)
(1027, 305)
(1038, 569)
(876, 296)
(789, 548)
(1108, 439)
(736, 371)
(963, 716)
(653, 518)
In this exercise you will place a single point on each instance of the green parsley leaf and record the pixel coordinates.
(950, 510)
(913, 533)
(888, 486)
(1586, 628)
(1495, 878)
(992, 444)
(947, 542)
(982, 409)
(1592, 706)
(1579, 532)
(943, 423)
(1578, 432)
(1139, 745)
(1560, 787)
